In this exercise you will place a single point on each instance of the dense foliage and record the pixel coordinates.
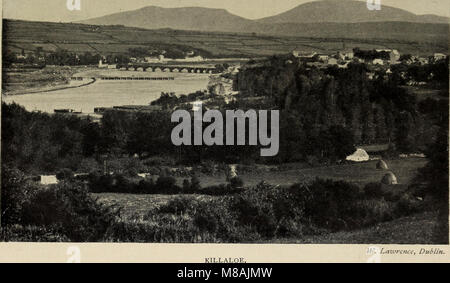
(373, 111)
(66, 212)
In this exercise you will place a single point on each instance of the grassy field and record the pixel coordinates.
(20, 35)
(360, 174)
(48, 78)
(411, 230)
(135, 207)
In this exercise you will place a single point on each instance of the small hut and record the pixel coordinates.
(389, 179)
(382, 165)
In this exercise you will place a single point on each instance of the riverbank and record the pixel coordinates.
(50, 78)
(85, 97)
(70, 85)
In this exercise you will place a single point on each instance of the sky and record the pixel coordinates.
(56, 10)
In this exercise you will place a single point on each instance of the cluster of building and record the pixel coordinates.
(160, 58)
(341, 59)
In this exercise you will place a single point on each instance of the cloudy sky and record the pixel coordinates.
(56, 11)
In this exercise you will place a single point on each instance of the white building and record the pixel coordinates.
(332, 61)
(157, 59)
(191, 59)
(49, 180)
(394, 56)
(378, 62)
(323, 57)
(439, 56)
(101, 65)
(304, 54)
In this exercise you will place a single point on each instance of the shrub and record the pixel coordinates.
(373, 191)
(179, 205)
(331, 204)
(195, 184)
(99, 183)
(407, 205)
(161, 229)
(14, 192)
(256, 214)
(236, 182)
(186, 186)
(370, 212)
(167, 185)
(160, 161)
(123, 185)
(217, 218)
(18, 233)
(70, 211)
(65, 174)
(220, 190)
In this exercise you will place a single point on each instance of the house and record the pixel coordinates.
(439, 56)
(423, 61)
(378, 62)
(191, 59)
(154, 59)
(48, 180)
(304, 54)
(394, 56)
(332, 61)
(101, 65)
(323, 58)
(343, 66)
(144, 175)
(346, 55)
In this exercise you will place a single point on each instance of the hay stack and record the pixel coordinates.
(382, 165)
(389, 179)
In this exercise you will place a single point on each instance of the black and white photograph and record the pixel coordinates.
(306, 122)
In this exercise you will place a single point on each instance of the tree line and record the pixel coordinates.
(373, 111)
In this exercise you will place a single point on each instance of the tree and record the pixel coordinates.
(435, 175)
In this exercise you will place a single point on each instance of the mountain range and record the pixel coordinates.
(337, 12)
(348, 11)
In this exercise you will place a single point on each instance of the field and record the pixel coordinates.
(420, 231)
(105, 40)
(50, 77)
(360, 174)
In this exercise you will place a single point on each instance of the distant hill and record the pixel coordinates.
(413, 38)
(330, 18)
(191, 18)
(348, 11)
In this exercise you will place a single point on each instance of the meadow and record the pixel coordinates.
(28, 36)
(137, 206)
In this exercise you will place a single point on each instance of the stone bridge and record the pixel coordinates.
(167, 68)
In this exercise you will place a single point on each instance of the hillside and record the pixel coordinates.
(349, 11)
(411, 38)
(190, 18)
(322, 19)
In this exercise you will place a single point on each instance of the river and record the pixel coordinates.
(111, 93)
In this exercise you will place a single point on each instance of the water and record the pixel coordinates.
(111, 93)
